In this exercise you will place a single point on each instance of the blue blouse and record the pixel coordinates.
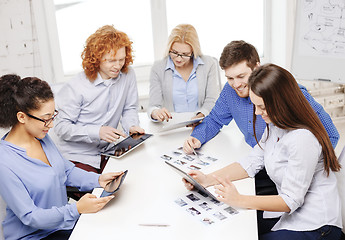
(35, 193)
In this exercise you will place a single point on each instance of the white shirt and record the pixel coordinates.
(294, 161)
(85, 106)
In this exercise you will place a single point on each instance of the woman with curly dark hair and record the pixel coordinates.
(93, 104)
(33, 174)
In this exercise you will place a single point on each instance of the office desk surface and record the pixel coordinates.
(150, 188)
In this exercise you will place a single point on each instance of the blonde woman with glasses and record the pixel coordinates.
(185, 80)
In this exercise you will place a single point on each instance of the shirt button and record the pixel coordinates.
(250, 121)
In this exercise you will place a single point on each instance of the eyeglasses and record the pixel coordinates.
(174, 54)
(47, 121)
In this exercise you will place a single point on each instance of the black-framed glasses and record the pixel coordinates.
(46, 121)
(174, 54)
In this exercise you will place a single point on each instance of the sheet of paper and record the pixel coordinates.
(188, 162)
(205, 209)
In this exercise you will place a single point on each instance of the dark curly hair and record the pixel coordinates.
(23, 95)
(104, 40)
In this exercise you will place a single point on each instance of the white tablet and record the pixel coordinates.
(125, 146)
(169, 126)
(192, 181)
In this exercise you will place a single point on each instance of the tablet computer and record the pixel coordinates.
(114, 185)
(119, 149)
(171, 126)
(190, 179)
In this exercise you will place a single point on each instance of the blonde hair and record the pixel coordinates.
(185, 33)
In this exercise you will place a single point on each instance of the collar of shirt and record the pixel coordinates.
(277, 133)
(15, 147)
(99, 80)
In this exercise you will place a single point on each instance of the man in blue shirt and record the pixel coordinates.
(238, 60)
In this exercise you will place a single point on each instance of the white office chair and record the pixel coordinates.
(220, 85)
(341, 184)
(2, 216)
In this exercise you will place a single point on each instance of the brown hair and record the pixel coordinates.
(185, 33)
(104, 40)
(239, 51)
(287, 107)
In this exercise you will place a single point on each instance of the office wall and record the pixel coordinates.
(282, 23)
(28, 45)
(19, 51)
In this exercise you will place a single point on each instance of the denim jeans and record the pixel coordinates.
(326, 232)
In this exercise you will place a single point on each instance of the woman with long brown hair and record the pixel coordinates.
(298, 157)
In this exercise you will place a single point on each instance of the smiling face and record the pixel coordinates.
(260, 108)
(237, 76)
(111, 65)
(37, 128)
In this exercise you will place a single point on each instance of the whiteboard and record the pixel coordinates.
(319, 43)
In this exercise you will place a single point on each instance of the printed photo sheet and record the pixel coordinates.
(205, 209)
(188, 162)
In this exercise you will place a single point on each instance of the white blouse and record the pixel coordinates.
(294, 161)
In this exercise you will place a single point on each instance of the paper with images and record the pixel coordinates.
(188, 162)
(199, 205)
(205, 209)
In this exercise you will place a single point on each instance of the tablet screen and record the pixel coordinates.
(114, 185)
(126, 145)
(190, 179)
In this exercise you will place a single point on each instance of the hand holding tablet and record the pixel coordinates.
(187, 123)
(121, 148)
(191, 180)
(113, 186)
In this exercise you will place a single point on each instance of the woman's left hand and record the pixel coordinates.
(227, 192)
(106, 178)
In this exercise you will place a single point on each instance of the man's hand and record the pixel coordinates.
(110, 134)
(190, 144)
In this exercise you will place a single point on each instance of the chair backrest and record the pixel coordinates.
(2, 216)
(341, 184)
(220, 85)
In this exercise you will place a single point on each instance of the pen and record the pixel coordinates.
(153, 225)
(195, 153)
(197, 157)
(323, 79)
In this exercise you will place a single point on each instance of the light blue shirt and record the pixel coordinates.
(185, 94)
(294, 161)
(35, 193)
(84, 107)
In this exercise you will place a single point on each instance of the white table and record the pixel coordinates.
(150, 188)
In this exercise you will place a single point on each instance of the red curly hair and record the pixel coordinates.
(104, 40)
